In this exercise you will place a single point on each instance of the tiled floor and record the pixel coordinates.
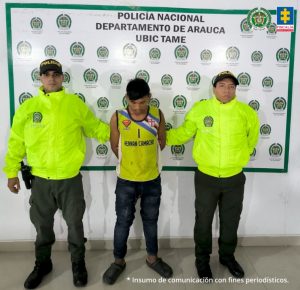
(262, 265)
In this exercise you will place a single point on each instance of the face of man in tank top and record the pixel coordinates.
(138, 107)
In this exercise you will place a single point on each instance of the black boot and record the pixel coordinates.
(40, 270)
(80, 274)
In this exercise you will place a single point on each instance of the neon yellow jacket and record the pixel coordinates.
(49, 129)
(225, 135)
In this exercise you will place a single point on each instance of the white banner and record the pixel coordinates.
(177, 51)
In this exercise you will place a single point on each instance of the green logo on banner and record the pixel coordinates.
(279, 104)
(90, 76)
(177, 150)
(102, 52)
(77, 49)
(275, 150)
(265, 130)
(103, 103)
(232, 53)
(283, 55)
(166, 80)
(154, 102)
(36, 23)
(245, 26)
(257, 56)
(67, 78)
(254, 104)
(267, 82)
(193, 78)
(129, 51)
(63, 21)
(24, 96)
(143, 74)
(35, 75)
(101, 150)
(154, 53)
(259, 18)
(179, 102)
(115, 79)
(244, 79)
(50, 51)
(206, 55)
(181, 52)
(24, 48)
(272, 29)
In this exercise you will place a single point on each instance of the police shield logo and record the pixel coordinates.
(193, 78)
(267, 82)
(272, 29)
(103, 103)
(166, 80)
(259, 18)
(177, 151)
(24, 48)
(254, 104)
(206, 55)
(232, 54)
(50, 51)
(265, 130)
(244, 79)
(256, 56)
(63, 22)
(77, 49)
(67, 78)
(90, 76)
(154, 54)
(36, 23)
(245, 26)
(37, 117)
(24, 96)
(208, 121)
(102, 52)
(129, 51)
(143, 74)
(283, 55)
(279, 104)
(181, 52)
(154, 102)
(179, 102)
(35, 76)
(275, 150)
(101, 150)
(81, 96)
(115, 79)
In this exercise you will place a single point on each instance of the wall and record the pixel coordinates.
(272, 201)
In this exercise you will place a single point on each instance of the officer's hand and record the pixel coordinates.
(13, 184)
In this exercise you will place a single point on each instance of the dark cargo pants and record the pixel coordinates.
(46, 197)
